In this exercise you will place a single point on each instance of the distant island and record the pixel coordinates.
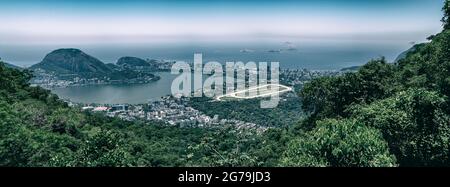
(274, 51)
(73, 67)
(246, 50)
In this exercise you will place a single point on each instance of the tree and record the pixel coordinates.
(104, 149)
(226, 147)
(14, 142)
(416, 125)
(65, 120)
(330, 97)
(446, 10)
(339, 143)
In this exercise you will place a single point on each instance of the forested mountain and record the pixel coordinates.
(38, 129)
(12, 66)
(382, 115)
(72, 61)
(132, 62)
(405, 53)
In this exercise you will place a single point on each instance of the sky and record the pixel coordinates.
(51, 21)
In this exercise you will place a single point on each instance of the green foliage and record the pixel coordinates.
(415, 124)
(407, 102)
(330, 96)
(226, 148)
(339, 143)
(446, 10)
(105, 148)
(230, 147)
(38, 129)
(429, 66)
(285, 114)
(21, 145)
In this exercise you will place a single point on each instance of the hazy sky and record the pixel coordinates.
(80, 21)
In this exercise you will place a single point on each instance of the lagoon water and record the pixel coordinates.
(323, 55)
(119, 94)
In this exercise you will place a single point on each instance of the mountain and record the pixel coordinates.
(72, 61)
(132, 62)
(405, 53)
(351, 68)
(112, 66)
(153, 62)
(11, 66)
(402, 55)
(137, 64)
(74, 67)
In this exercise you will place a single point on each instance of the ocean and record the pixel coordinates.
(313, 55)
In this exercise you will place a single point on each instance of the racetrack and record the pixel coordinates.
(256, 92)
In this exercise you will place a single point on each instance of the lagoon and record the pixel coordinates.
(118, 94)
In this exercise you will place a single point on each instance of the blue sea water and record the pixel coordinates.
(322, 55)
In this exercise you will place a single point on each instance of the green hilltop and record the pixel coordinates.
(73, 61)
(70, 63)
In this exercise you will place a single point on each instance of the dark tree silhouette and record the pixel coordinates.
(446, 10)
